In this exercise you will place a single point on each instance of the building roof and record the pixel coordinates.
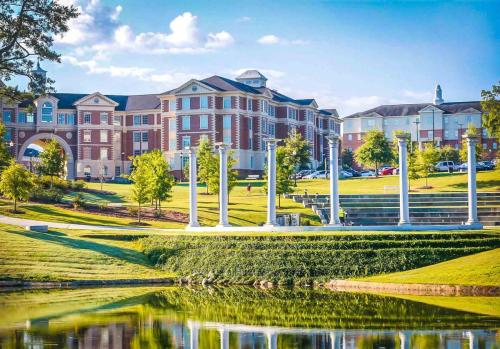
(331, 112)
(222, 84)
(413, 109)
(251, 74)
(125, 103)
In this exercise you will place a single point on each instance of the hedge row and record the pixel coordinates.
(236, 260)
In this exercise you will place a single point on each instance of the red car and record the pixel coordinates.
(387, 171)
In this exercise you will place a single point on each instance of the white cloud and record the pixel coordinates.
(269, 40)
(423, 96)
(98, 31)
(243, 19)
(171, 79)
(272, 39)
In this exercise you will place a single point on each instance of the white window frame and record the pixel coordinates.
(104, 136)
(85, 134)
(204, 124)
(87, 118)
(186, 123)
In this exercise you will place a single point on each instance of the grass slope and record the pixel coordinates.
(62, 256)
(477, 269)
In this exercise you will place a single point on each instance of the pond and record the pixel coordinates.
(243, 317)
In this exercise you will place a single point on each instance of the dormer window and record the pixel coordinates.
(47, 111)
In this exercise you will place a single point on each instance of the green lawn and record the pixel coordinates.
(477, 269)
(58, 255)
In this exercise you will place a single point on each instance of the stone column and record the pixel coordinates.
(194, 330)
(223, 217)
(404, 338)
(471, 176)
(333, 142)
(224, 338)
(271, 182)
(404, 207)
(193, 209)
(335, 340)
(272, 340)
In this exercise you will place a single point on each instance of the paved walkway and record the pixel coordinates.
(25, 222)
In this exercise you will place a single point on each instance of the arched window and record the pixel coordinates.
(47, 111)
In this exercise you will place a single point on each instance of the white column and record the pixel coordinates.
(471, 174)
(404, 207)
(224, 338)
(335, 340)
(404, 338)
(272, 340)
(333, 142)
(194, 330)
(193, 209)
(271, 181)
(223, 217)
(473, 340)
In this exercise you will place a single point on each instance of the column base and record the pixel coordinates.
(193, 225)
(404, 224)
(270, 225)
(474, 224)
(223, 225)
(333, 224)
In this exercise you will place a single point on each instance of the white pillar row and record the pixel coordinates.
(193, 209)
(404, 200)
(223, 216)
(333, 142)
(471, 176)
(271, 181)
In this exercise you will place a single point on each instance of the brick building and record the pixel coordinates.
(99, 133)
(441, 122)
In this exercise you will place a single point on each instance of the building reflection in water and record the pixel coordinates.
(163, 333)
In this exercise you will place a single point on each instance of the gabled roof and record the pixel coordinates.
(222, 84)
(413, 109)
(330, 112)
(137, 102)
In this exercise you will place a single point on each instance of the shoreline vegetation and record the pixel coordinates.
(263, 260)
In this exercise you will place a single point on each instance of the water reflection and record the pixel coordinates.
(236, 318)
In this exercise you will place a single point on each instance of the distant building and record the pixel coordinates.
(100, 133)
(440, 121)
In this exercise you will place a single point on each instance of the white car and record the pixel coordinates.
(444, 166)
(316, 174)
(368, 174)
(345, 174)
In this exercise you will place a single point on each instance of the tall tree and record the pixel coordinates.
(347, 157)
(427, 158)
(27, 31)
(491, 110)
(52, 161)
(448, 153)
(5, 155)
(161, 180)
(16, 183)
(297, 151)
(207, 162)
(375, 150)
(141, 189)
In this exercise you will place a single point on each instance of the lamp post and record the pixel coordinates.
(433, 126)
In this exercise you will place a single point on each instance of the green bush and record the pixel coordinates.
(45, 181)
(304, 259)
(78, 201)
(53, 195)
(78, 185)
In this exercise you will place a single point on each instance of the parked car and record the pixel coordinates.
(395, 171)
(352, 171)
(444, 166)
(462, 167)
(302, 173)
(368, 173)
(120, 180)
(316, 174)
(345, 174)
(487, 165)
(386, 171)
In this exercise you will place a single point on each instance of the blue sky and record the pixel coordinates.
(347, 55)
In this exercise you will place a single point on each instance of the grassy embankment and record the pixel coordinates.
(479, 269)
(244, 209)
(305, 258)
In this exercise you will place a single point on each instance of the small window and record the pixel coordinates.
(485, 146)
(61, 119)
(203, 122)
(87, 117)
(204, 138)
(250, 124)
(227, 122)
(86, 153)
(495, 145)
(137, 119)
(137, 137)
(186, 103)
(30, 118)
(172, 144)
(21, 117)
(249, 104)
(104, 118)
(70, 119)
(186, 142)
(171, 124)
(7, 135)
(204, 102)
(104, 136)
(171, 106)
(226, 102)
(186, 123)
(7, 116)
(145, 120)
(349, 137)
(144, 136)
(47, 110)
(117, 120)
(87, 136)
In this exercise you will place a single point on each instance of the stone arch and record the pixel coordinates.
(70, 159)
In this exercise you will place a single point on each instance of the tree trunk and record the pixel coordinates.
(15, 205)
(139, 214)
(159, 208)
(376, 170)
(279, 201)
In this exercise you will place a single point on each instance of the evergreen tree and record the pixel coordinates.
(52, 161)
(375, 150)
(16, 183)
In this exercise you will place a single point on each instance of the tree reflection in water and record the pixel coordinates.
(234, 317)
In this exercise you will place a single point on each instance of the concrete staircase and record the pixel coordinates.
(383, 209)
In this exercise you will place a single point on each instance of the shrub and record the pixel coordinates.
(102, 205)
(53, 195)
(78, 201)
(78, 185)
(132, 210)
(44, 181)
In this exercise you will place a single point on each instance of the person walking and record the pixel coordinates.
(249, 189)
